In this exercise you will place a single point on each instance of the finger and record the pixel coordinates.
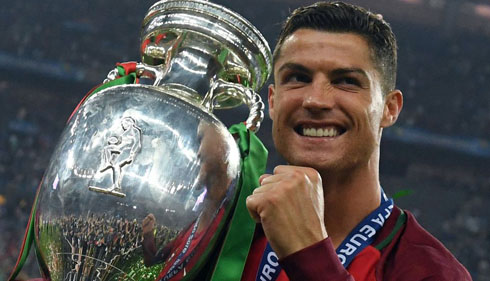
(268, 179)
(267, 184)
(264, 176)
(310, 173)
(252, 203)
(281, 169)
(259, 189)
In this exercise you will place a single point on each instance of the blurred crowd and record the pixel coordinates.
(26, 142)
(443, 75)
(73, 34)
(444, 82)
(443, 79)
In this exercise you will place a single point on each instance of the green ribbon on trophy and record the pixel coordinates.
(230, 256)
(234, 251)
(26, 247)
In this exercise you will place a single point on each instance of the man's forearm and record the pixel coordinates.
(316, 262)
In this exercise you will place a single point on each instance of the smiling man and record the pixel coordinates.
(325, 216)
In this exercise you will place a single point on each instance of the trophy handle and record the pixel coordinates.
(155, 73)
(223, 95)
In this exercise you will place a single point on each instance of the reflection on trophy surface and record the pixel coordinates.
(193, 241)
(144, 177)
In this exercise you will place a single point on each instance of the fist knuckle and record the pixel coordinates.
(296, 176)
(270, 200)
(288, 188)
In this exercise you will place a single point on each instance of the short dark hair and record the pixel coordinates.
(343, 17)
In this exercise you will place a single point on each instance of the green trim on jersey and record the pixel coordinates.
(400, 222)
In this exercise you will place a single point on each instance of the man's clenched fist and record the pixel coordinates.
(289, 205)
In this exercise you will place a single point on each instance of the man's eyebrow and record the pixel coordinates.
(335, 72)
(293, 66)
(341, 71)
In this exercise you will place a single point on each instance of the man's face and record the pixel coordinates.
(326, 105)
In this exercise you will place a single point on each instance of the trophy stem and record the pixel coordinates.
(194, 68)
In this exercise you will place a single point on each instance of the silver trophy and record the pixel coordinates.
(144, 176)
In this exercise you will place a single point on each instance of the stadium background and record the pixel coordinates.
(438, 155)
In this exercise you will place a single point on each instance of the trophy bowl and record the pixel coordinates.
(144, 177)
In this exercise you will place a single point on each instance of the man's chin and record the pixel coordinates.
(314, 162)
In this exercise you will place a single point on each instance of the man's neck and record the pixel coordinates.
(348, 200)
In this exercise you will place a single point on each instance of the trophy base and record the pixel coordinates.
(107, 191)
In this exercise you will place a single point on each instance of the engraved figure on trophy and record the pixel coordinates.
(118, 153)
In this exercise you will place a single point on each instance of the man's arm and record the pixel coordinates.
(315, 262)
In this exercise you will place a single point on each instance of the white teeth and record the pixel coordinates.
(320, 132)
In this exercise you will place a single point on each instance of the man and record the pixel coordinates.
(324, 215)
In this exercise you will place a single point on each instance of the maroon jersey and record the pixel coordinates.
(402, 251)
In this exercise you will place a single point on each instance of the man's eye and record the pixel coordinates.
(296, 77)
(347, 81)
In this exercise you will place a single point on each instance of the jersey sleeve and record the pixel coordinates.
(316, 262)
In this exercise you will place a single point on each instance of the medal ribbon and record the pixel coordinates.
(364, 233)
(176, 267)
(358, 239)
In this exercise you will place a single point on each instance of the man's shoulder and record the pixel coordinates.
(415, 235)
(418, 253)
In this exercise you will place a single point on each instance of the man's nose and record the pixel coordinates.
(319, 97)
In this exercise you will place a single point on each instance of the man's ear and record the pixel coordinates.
(392, 108)
(271, 100)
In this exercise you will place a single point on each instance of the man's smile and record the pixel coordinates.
(308, 130)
